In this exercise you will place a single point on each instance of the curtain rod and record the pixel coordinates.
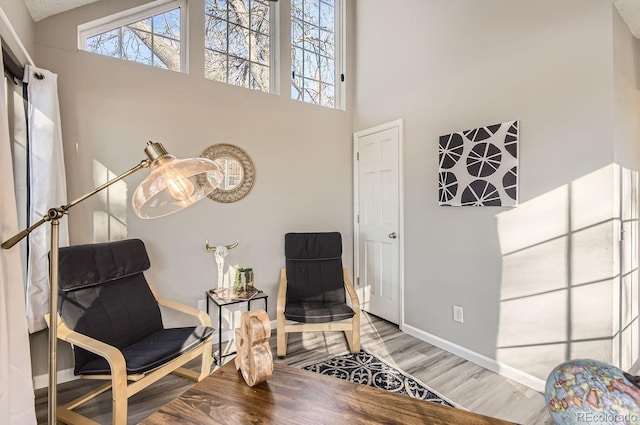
(14, 34)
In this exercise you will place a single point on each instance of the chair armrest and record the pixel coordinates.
(355, 303)
(112, 354)
(282, 292)
(204, 318)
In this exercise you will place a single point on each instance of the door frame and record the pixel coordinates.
(399, 125)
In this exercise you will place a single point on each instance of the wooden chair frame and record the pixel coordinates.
(351, 327)
(119, 380)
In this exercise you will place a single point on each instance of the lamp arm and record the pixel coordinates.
(20, 235)
(56, 213)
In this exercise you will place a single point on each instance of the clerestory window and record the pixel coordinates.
(317, 74)
(238, 43)
(153, 34)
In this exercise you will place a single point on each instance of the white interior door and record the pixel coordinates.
(377, 222)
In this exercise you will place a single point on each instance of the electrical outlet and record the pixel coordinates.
(458, 314)
(202, 305)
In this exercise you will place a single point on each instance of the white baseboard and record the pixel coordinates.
(479, 359)
(42, 381)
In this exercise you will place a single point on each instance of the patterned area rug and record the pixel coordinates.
(367, 369)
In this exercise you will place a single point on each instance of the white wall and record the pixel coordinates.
(110, 108)
(626, 66)
(460, 64)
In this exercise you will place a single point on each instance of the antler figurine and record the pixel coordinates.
(220, 252)
(215, 248)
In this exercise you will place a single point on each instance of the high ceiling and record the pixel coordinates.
(630, 12)
(40, 9)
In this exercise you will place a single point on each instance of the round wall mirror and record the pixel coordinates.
(238, 170)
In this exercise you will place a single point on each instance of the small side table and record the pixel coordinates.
(221, 302)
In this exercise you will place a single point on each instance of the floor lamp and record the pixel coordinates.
(172, 185)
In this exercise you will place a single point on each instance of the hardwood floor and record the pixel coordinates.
(462, 382)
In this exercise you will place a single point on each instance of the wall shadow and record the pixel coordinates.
(570, 275)
(110, 213)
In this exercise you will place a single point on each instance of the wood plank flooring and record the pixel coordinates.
(462, 382)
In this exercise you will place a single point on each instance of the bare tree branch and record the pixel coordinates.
(163, 50)
(260, 74)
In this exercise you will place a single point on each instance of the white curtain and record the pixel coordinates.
(16, 386)
(47, 186)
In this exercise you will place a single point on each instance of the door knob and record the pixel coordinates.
(393, 235)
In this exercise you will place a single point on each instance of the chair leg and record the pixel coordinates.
(353, 336)
(281, 341)
(352, 341)
(207, 361)
(281, 349)
(119, 397)
(356, 332)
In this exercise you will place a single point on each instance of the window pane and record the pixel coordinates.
(217, 8)
(168, 52)
(154, 40)
(167, 24)
(244, 39)
(142, 29)
(239, 12)
(327, 70)
(297, 57)
(314, 58)
(157, 62)
(133, 46)
(259, 77)
(215, 35)
(327, 43)
(237, 43)
(296, 88)
(297, 37)
(311, 37)
(107, 43)
(311, 90)
(327, 17)
(296, 9)
(260, 46)
(215, 66)
(143, 24)
(238, 72)
(310, 8)
(311, 66)
(259, 17)
(327, 95)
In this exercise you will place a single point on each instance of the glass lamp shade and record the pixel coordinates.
(174, 184)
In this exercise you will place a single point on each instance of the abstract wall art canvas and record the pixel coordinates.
(479, 167)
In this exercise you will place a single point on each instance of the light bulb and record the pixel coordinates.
(173, 183)
(179, 186)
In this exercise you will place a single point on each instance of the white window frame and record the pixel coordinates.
(340, 91)
(274, 50)
(341, 51)
(136, 14)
